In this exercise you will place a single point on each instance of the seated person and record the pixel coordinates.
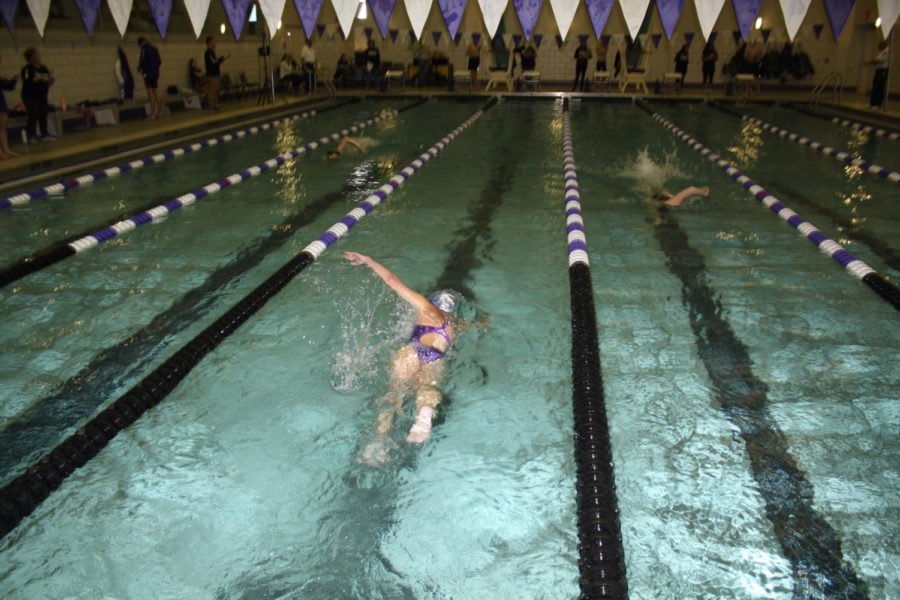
(288, 74)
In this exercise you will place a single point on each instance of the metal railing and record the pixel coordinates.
(836, 80)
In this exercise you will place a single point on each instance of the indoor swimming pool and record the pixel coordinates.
(750, 381)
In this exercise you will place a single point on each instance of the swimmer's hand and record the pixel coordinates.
(356, 258)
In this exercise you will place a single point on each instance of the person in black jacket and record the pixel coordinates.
(373, 62)
(681, 63)
(7, 85)
(36, 82)
(149, 65)
(710, 56)
(213, 73)
(582, 56)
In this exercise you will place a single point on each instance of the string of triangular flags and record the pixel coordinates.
(492, 11)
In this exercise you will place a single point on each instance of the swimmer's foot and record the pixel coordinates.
(421, 429)
(377, 452)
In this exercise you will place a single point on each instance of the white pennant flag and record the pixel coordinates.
(564, 12)
(492, 11)
(794, 12)
(272, 10)
(121, 10)
(346, 10)
(40, 10)
(634, 11)
(708, 13)
(197, 10)
(888, 10)
(418, 10)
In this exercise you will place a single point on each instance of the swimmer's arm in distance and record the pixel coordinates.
(352, 142)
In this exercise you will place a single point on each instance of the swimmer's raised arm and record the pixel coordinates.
(417, 300)
(352, 142)
(686, 193)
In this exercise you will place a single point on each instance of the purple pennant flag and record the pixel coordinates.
(838, 11)
(8, 9)
(598, 11)
(320, 27)
(628, 40)
(669, 12)
(736, 35)
(476, 38)
(412, 36)
(688, 38)
(712, 36)
(766, 33)
(528, 11)
(817, 29)
(393, 33)
(582, 40)
(559, 41)
(382, 11)
(309, 12)
(517, 38)
(538, 38)
(161, 11)
(745, 12)
(453, 12)
(656, 37)
(89, 10)
(369, 31)
(605, 39)
(236, 11)
(458, 38)
(436, 36)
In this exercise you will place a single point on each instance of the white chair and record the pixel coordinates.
(749, 80)
(602, 77)
(672, 78)
(504, 77)
(637, 77)
(396, 73)
(462, 77)
(532, 78)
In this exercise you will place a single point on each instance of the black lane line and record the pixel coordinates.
(41, 425)
(59, 250)
(20, 497)
(851, 230)
(376, 494)
(807, 540)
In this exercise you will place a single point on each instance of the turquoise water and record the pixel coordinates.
(244, 482)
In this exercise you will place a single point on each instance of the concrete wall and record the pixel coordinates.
(84, 66)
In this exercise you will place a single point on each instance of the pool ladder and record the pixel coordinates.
(836, 80)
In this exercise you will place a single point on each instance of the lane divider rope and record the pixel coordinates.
(839, 155)
(63, 186)
(601, 555)
(40, 261)
(879, 131)
(25, 493)
(855, 266)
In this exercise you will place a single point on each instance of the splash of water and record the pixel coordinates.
(649, 173)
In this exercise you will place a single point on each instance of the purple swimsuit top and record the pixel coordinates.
(427, 353)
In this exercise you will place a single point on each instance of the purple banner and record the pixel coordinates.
(308, 10)
(236, 11)
(669, 13)
(8, 10)
(89, 10)
(765, 34)
(453, 12)
(161, 11)
(517, 38)
(476, 38)
(527, 11)
(598, 11)
(712, 36)
(382, 11)
(737, 36)
(436, 36)
(745, 12)
(320, 27)
(582, 40)
(689, 37)
(538, 38)
(656, 37)
(605, 39)
(838, 11)
(412, 36)
(817, 29)
(368, 31)
(559, 41)
(458, 38)
(393, 33)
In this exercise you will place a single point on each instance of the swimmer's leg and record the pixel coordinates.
(428, 396)
(404, 367)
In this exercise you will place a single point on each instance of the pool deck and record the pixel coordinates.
(78, 151)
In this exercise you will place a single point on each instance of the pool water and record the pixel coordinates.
(245, 482)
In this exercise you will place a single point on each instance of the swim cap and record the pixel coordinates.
(444, 301)
(332, 155)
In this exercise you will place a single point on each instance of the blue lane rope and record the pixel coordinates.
(40, 261)
(25, 493)
(63, 186)
(855, 266)
(839, 155)
(880, 132)
(601, 555)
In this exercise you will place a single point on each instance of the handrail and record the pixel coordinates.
(835, 78)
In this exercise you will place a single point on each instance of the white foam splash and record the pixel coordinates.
(649, 173)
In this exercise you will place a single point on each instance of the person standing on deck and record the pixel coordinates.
(582, 56)
(213, 73)
(681, 64)
(308, 58)
(36, 82)
(149, 64)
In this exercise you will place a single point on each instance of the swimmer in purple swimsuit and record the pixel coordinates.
(418, 366)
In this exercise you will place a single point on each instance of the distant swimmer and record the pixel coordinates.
(676, 200)
(339, 151)
(418, 366)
